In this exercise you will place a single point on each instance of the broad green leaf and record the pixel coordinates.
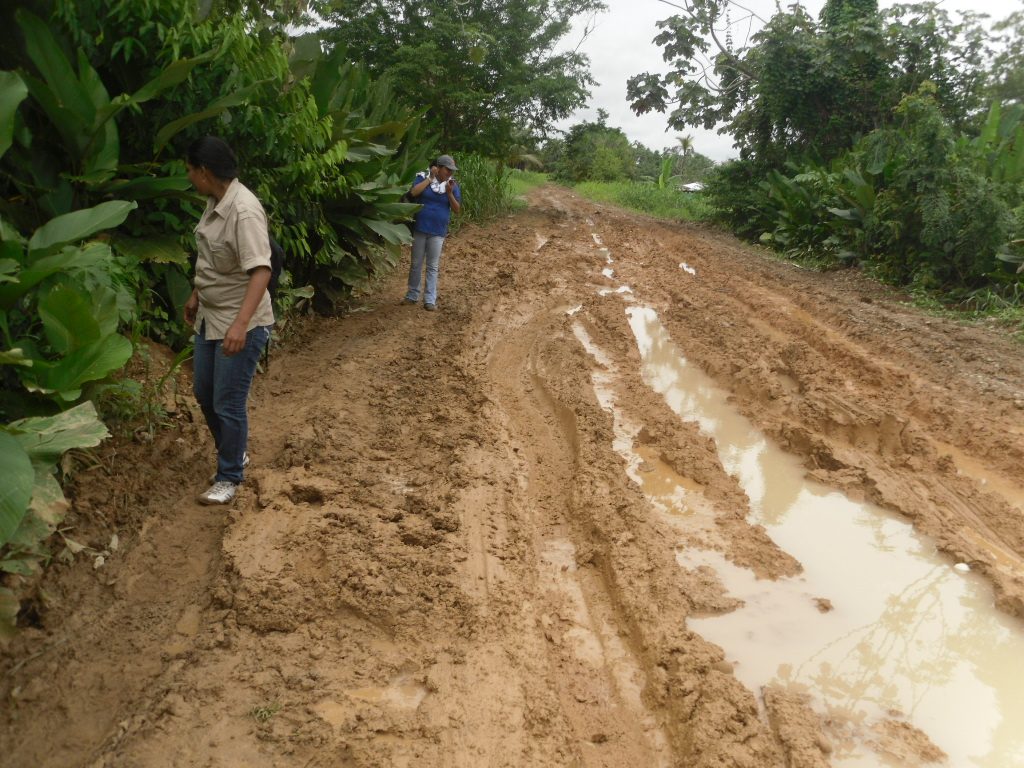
(16, 489)
(68, 320)
(48, 506)
(215, 108)
(397, 209)
(90, 256)
(393, 233)
(74, 129)
(46, 438)
(22, 565)
(105, 309)
(54, 66)
(179, 288)
(89, 363)
(103, 153)
(9, 234)
(33, 531)
(12, 92)
(365, 152)
(15, 356)
(160, 249)
(173, 74)
(147, 186)
(92, 85)
(78, 225)
(30, 276)
(991, 127)
(306, 53)
(351, 273)
(9, 271)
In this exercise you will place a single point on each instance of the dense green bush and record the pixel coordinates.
(916, 202)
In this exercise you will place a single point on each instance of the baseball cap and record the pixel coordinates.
(446, 161)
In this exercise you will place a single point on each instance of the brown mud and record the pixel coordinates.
(438, 558)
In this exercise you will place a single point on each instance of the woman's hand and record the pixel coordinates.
(192, 307)
(234, 339)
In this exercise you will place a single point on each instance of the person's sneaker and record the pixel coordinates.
(245, 463)
(222, 492)
(407, 300)
(430, 307)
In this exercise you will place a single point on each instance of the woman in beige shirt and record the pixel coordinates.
(229, 306)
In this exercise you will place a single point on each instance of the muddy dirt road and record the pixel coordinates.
(510, 533)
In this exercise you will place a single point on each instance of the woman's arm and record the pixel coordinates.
(234, 339)
(453, 201)
(420, 188)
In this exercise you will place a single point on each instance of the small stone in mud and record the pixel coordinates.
(599, 738)
(823, 604)
(645, 467)
(824, 745)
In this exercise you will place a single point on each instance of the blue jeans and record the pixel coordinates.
(429, 246)
(221, 384)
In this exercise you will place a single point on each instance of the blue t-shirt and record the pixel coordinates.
(436, 212)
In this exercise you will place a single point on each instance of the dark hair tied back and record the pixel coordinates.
(214, 154)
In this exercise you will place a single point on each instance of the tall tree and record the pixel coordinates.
(811, 87)
(483, 69)
(596, 152)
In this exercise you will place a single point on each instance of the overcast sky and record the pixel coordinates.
(620, 46)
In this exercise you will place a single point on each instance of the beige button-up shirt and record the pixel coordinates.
(232, 240)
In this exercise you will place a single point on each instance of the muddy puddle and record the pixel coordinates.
(879, 628)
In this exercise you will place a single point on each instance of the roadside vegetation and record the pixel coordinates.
(891, 140)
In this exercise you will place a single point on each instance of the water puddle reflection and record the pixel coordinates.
(878, 625)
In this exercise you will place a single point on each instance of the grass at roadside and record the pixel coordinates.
(660, 202)
(521, 182)
(984, 305)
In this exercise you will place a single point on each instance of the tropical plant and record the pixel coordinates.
(806, 87)
(32, 504)
(484, 71)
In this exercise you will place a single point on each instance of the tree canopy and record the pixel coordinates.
(810, 87)
(484, 70)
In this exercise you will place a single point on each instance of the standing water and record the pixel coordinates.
(911, 634)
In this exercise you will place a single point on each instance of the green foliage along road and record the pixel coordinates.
(890, 138)
(487, 72)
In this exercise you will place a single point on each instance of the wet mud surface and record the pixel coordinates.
(447, 554)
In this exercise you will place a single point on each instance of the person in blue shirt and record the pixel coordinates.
(439, 194)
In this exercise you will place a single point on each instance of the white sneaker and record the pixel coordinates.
(219, 493)
(245, 463)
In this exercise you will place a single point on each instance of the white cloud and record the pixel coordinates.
(621, 46)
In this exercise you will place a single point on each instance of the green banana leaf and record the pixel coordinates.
(76, 226)
(16, 490)
(12, 92)
(92, 362)
(46, 438)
